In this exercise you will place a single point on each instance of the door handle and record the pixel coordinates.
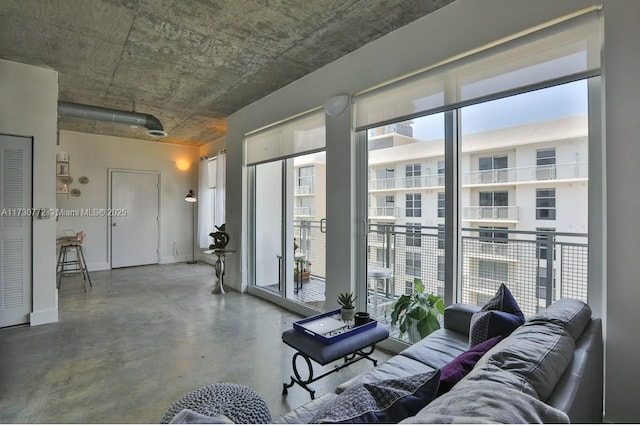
(115, 224)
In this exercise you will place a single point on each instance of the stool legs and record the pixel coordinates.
(80, 265)
(85, 271)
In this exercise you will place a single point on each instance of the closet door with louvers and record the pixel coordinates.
(15, 230)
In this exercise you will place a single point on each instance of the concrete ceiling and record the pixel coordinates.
(190, 63)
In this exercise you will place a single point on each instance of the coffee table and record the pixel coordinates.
(353, 348)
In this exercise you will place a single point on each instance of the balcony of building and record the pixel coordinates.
(303, 211)
(305, 190)
(565, 172)
(503, 214)
(385, 213)
(407, 183)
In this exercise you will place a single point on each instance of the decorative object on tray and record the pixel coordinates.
(329, 327)
(361, 317)
(416, 313)
(347, 309)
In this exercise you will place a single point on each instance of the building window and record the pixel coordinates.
(490, 168)
(380, 256)
(414, 234)
(493, 234)
(386, 205)
(494, 204)
(546, 203)
(413, 265)
(542, 282)
(441, 205)
(441, 173)
(493, 270)
(306, 178)
(304, 206)
(494, 198)
(385, 178)
(412, 174)
(414, 205)
(408, 287)
(546, 163)
(541, 240)
(440, 236)
(441, 268)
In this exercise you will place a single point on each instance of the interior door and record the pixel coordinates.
(15, 230)
(135, 228)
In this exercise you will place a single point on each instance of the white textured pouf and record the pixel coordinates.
(239, 403)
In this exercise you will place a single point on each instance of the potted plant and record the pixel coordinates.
(416, 313)
(347, 309)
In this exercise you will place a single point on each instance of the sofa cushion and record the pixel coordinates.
(474, 402)
(459, 367)
(305, 413)
(397, 367)
(571, 314)
(389, 401)
(437, 349)
(536, 353)
(501, 315)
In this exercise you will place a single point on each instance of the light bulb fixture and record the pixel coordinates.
(336, 105)
(190, 197)
(183, 164)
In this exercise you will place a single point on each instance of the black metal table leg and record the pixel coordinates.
(304, 382)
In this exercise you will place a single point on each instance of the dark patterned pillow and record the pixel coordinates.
(387, 401)
(501, 315)
(458, 368)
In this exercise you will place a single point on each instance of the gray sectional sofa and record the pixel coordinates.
(548, 370)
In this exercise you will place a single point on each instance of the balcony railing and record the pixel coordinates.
(384, 211)
(538, 267)
(303, 211)
(490, 213)
(403, 182)
(562, 171)
(302, 190)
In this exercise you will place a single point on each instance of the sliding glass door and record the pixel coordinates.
(289, 216)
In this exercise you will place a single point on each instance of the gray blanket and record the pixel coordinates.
(473, 402)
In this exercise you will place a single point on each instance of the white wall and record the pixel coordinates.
(452, 30)
(622, 107)
(93, 155)
(28, 107)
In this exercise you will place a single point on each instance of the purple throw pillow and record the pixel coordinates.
(455, 370)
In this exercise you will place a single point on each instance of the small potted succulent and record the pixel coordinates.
(347, 309)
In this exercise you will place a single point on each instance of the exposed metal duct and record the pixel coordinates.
(90, 112)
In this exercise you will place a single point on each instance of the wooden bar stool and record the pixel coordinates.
(72, 243)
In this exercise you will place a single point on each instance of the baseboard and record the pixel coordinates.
(43, 317)
(173, 259)
(98, 266)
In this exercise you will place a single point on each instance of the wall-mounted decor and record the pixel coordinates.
(83, 180)
(75, 192)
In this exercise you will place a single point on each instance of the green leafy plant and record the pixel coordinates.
(346, 300)
(418, 311)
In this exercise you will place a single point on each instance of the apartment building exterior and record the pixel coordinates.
(523, 203)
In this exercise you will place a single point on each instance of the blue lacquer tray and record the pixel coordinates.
(334, 337)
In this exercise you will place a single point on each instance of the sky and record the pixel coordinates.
(551, 103)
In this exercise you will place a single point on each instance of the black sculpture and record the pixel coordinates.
(220, 238)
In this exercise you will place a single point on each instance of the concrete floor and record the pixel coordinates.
(140, 339)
